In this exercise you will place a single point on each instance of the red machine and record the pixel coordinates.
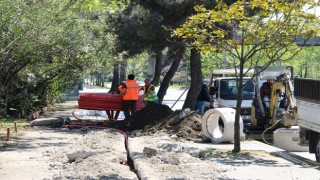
(107, 102)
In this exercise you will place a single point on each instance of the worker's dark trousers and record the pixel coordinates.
(129, 104)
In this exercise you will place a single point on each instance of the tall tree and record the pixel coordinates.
(34, 58)
(47, 46)
(115, 79)
(158, 68)
(175, 53)
(196, 79)
(135, 37)
(268, 34)
(104, 39)
(123, 70)
(142, 26)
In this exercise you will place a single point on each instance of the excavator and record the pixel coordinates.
(282, 109)
(218, 123)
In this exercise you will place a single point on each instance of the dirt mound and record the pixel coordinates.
(186, 127)
(155, 117)
(150, 115)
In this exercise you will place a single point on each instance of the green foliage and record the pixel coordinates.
(261, 39)
(307, 62)
(2, 101)
(46, 47)
(252, 32)
(212, 61)
(142, 25)
(137, 65)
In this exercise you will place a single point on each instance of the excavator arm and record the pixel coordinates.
(275, 95)
(285, 83)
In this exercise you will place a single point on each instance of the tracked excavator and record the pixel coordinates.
(218, 123)
(285, 110)
(280, 109)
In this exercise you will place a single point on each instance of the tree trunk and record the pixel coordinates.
(157, 69)
(10, 75)
(98, 77)
(91, 80)
(237, 147)
(115, 79)
(102, 77)
(123, 71)
(177, 54)
(196, 80)
(305, 72)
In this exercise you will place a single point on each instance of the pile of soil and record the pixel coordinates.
(150, 115)
(156, 117)
(188, 127)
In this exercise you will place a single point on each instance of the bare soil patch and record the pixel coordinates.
(156, 118)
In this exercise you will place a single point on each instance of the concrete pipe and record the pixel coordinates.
(218, 125)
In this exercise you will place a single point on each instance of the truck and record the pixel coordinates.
(223, 91)
(307, 93)
(293, 101)
(218, 122)
(257, 120)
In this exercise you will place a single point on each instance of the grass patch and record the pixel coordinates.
(22, 125)
(10, 122)
(178, 86)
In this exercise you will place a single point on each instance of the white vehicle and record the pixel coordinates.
(224, 93)
(307, 93)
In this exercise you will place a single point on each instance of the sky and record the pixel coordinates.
(315, 10)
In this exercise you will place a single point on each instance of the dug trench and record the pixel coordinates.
(152, 119)
(101, 154)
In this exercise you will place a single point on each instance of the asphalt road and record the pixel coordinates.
(175, 98)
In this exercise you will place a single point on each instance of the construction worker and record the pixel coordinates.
(203, 98)
(130, 92)
(265, 92)
(120, 88)
(149, 93)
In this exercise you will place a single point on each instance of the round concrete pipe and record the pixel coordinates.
(218, 125)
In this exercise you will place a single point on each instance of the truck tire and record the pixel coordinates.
(317, 148)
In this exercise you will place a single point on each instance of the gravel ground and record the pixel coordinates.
(66, 154)
(159, 152)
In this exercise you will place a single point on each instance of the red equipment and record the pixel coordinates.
(112, 104)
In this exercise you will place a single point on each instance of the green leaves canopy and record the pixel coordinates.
(45, 46)
(253, 32)
(252, 29)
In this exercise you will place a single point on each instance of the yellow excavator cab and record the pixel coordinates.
(281, 108)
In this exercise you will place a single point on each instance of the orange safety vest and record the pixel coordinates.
(132, 90)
